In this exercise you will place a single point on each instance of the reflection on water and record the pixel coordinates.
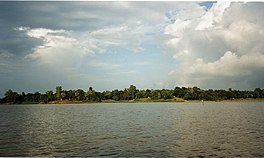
(136, 129)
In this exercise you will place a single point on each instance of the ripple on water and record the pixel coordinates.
(133, 130)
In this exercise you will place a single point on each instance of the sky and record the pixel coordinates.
(111, 45)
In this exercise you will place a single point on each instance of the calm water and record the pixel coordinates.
(225, 129)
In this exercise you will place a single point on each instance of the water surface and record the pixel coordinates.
(227, 129)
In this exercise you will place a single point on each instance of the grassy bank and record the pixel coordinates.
(142, 100)
(65, 102)
(147, 100)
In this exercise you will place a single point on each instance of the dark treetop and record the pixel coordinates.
(128, 94)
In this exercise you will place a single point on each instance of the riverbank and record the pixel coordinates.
(230, 100)
(66, 102)
(146, 100)
(141, 100)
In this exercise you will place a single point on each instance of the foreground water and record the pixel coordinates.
(227, 129)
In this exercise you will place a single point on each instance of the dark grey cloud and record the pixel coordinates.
(53, 15)
(72, 16)
(85, 15)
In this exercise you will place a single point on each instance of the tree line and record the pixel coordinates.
(130, 93)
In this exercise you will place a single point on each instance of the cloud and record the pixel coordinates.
(76, 44)
(5, 54)
(104, 65)
(124, 35)
(213, 16)
(65, 54)
(224, 45)
(129, 72)
(65, 46)
(229, 65)
(178, 28)
(213, 47)
(6, 61)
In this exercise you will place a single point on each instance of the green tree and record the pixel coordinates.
(166, 94)
(94, 96)
(107, 95)
(125, 94)
(70, 94)
(58, 92)
(9, 95)
(132, 91)
(230, 94)
(50, 96)
(36, 97)
(196, 93)
(141, 94)
(98, 97)
(116, 95)
(80, 94)
(155, 94)
(63, 95)
(90, 95)
(187, 96)
(43, 98)
(179, 92)
(13, 97)
(147, 93)
(257, 93)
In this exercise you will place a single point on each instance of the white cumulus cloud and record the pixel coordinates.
(224, 45)
(229, 65)
(64, 47)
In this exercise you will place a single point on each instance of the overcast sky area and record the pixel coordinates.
(111, 45)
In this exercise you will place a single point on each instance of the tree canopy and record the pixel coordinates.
(130, 93)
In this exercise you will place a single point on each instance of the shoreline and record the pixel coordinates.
(144, 101)
(153, 101)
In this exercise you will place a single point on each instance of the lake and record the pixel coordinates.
(191, 129)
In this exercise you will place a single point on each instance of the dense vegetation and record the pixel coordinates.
(128, 94)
